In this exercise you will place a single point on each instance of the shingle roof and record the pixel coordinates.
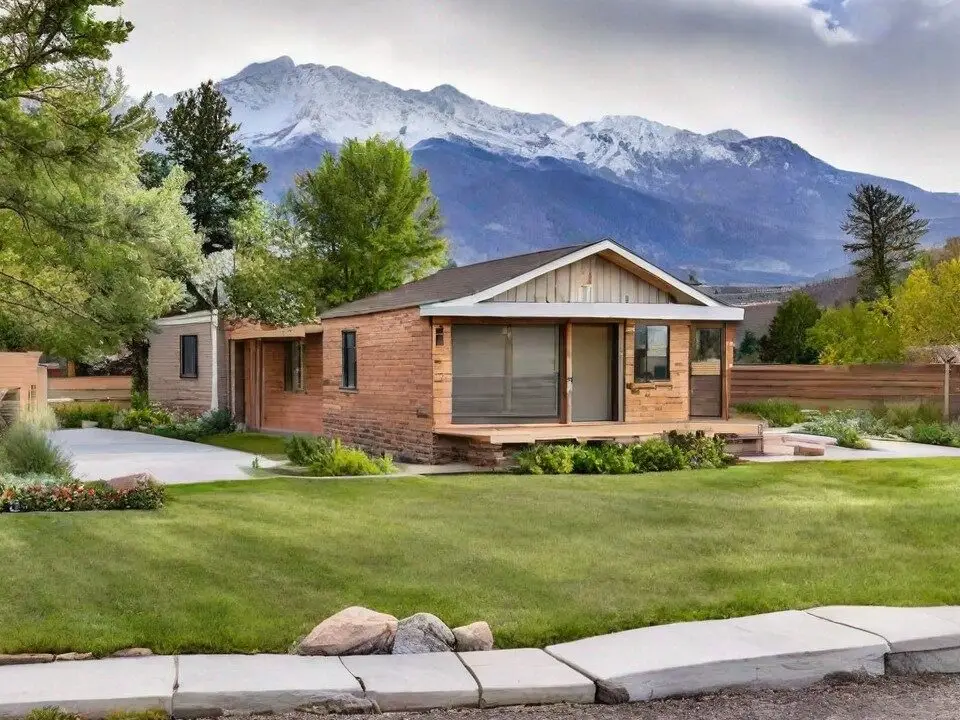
(452, 283)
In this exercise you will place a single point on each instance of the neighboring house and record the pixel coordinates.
(584, 342)
(188, 364)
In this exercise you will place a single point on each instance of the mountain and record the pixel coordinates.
(725, 206)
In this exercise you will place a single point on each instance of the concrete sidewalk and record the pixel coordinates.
(775, 651)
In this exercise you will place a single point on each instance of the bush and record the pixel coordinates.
(304, 451)
(779, 413)
(27, 450)
(75, 496)
(906, 415)
(699, 450)
(72, 415)
(41, 417)
(658, 456)
(934, 434)
(841, 425)
(139, 401)
(331, 458)
(546, 460)
(143, 419)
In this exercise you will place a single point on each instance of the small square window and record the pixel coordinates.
(349, 360)
(651, 362)
(189, 362)
(293, 380)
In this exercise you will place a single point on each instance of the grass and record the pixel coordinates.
(271, 446)
(251, 566)
(779, 413)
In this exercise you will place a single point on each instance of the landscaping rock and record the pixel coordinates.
(26, 659)
(73, 656)
(809, 450)
(89, 424)
(423, 633)
(132, 652)
(130, 482)
(354, 631)
(473, 637)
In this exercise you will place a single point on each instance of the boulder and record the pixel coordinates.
(354, 631)
(423, 633)
(62, 657)
(473, 637)
(132, 652)
(130, 482)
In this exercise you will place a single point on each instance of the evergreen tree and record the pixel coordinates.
(199, 137)
(886, 238)
(787, 342)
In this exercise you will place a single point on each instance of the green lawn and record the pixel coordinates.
(267, 445)
(253, 565)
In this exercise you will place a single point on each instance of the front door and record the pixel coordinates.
(706, 372)
(593, 352)
(240, 382)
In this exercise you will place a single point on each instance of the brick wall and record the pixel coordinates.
(668, 401)
(300, 412)
(392, 409)
(164, 382)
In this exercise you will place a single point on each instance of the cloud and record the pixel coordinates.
(866, 84)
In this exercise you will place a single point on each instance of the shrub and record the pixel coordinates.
(906, 415)
(144, 419)
(41, 417)
(546, 460)
(934, 434)
(72, 415)
(779, 413)
(841, 425)
(75, 496)
(27, 450)
(586, 460)
(699, 450)
(658, 456)
(139, 400)
(217, 422)
(343, 461)
(304, 451)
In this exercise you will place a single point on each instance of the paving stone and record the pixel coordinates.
(526, 677)
(415, 682)
(93, 689)
(223, 684)
(904, 629)
(779, 650)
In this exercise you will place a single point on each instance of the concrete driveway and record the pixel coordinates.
(104, 454)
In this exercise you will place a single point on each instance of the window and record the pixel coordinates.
(293, 366)
(188, 356)
(651, 361)
(349, 380)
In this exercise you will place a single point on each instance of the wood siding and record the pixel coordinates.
(115, 388)
(590, 280)
(660, 401)
(863, 384)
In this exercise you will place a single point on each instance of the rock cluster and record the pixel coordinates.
(361, 631)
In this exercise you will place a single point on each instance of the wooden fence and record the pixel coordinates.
(23, 382)
(845, 385)
(112, 388)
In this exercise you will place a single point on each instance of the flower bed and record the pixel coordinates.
(18, 495)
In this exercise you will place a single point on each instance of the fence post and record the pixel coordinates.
(946, 391)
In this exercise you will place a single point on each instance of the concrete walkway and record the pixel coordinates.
(879, 450)
(103, 454)
(782, 650)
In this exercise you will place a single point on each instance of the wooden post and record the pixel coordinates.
(566, 387)
(946, 391)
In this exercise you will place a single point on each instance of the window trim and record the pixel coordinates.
(291, 349)
(196, 358)
(344, 349)
(644, 327)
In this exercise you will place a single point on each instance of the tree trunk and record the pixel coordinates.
(140, 348)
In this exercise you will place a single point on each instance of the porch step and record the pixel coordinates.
(809, 450)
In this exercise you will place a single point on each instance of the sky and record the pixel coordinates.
(868, 85)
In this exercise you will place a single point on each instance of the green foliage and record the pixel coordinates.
(27, 450)
(676, 452)
(72, 415)
(928, 305)
(857, 334)
(75, 496)
(138, 715)
(368, 202)
(41, 417)
(901, 415)
(935, 433)
(779, 413)
(51, 713)
(787, 342)
(843, 426)
(139, 400)
(199, 136)
(331, 458)
(885, 238)
(145, 419)
(215, 422)
(749, 350)
(304, 450)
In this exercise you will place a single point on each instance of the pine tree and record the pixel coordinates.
(886, 238)
(199, 137)
(787, 342)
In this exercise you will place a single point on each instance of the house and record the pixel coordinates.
(188, 362)
(576, 343)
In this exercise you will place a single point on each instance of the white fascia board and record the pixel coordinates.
(576, 256)
(612, 311)
(188, 318)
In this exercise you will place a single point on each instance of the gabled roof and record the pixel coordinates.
(473, 284)
(452, 283)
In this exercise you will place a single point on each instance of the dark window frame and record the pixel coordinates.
(184, 370)
(293, 355)
(647, 376)
(348, 361)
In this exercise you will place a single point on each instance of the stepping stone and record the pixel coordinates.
(526, 677)
(94, 688)
(922, 640)
(809, 450)
(414, 682)
(213, 685)
(779, 650)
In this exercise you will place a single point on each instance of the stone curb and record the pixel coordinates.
(778, 650)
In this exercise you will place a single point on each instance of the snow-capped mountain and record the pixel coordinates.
(724, 205)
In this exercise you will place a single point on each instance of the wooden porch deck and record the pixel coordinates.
(586, 432)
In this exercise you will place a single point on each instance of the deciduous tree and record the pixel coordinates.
(859, 333)
(786, 342)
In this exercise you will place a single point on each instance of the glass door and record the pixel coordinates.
(706, 372)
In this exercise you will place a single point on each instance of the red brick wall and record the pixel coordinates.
(392, 409)
(293, 411)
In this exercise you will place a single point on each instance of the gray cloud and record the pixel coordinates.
(869, 85)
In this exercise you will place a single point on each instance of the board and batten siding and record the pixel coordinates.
(591, 280)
